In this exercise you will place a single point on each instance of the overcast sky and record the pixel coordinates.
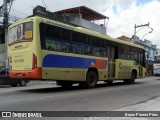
(123, 14)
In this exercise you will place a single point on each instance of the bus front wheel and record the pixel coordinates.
(132, 79)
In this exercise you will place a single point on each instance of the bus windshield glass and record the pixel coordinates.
(20, 32)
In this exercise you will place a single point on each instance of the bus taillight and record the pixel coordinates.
(34, 64)
(9, 62)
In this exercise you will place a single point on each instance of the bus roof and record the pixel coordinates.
(78, 29)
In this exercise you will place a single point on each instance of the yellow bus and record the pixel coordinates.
(43, 49)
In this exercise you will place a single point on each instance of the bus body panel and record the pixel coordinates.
(26, 74)
(125, 67)
(142, 72)
(20, 56)
(60, 66)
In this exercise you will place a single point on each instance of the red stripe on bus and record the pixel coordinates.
(19, 41)
(29, 74)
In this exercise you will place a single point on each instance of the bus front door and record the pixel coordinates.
(111, 62)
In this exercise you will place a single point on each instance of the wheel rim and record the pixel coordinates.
(133, 76)
(91, 79)
(23, 83)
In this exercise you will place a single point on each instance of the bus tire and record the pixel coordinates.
(23, 83)
(14, 85)
(91, 79)
(132, 79)
(65, 84)
(110, 82)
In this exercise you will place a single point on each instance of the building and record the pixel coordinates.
(158, 51)
(151, 49)
(157, 57)
(151, 52)
(81, 16)
(125, 38)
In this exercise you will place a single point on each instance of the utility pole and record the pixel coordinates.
(136, 26)
(5, 15)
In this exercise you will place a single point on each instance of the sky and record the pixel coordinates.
(123, 14)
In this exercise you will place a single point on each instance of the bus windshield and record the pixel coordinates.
(20, 32)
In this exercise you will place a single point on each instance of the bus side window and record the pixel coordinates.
(101, 52)
(53, 46)
(109, 53)
(47, 45)
(82, 50)
(59, 47)
(78, 49)
(125, 52)
(66, 47)
(134, 54)
(56, 46)
(95, 51)
(74, 50)
(87, 50)
(105, 52)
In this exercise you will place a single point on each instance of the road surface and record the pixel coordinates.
(46, 96)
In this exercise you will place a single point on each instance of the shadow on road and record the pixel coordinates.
(77, 88)
(6, 86)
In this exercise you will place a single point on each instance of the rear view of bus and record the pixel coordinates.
(22, 50)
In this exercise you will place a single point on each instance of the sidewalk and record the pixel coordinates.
(150, 105)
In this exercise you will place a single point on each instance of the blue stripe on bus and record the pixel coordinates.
(60, 61)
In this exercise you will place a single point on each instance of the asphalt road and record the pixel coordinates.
(46, 96)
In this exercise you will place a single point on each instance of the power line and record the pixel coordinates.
(13, 16)
(141, 29)
(137, 26)
(19, 12)
(13, 11)
(43, 2)
(158, 33)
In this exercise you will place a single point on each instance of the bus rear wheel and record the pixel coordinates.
(13, 85)
(91, 80)
(23, 83)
